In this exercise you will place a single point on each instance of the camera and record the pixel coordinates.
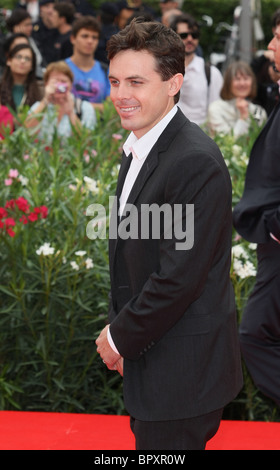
(61, 88)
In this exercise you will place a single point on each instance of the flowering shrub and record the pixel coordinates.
(55, 281)
(19, 208)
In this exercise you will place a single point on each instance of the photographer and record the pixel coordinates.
(59, 111)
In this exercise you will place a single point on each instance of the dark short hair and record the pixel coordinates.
(65, 10)
(10, 39)
(231, 71)
(187, 19)
(155, 38)
(275, 20)
(16, 17)
(86, 22)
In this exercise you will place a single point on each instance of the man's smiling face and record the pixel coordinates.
(138, 92)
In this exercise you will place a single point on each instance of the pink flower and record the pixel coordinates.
(10, 204)
(117, 136)
(10, 232)
(13, 173)
(24, 220)
(11, 209)
(44, 212)
(33, 216)
(86, 157)
(22, 204)
(26, 157)
(3, 213)
(9, 222)
(8, 181)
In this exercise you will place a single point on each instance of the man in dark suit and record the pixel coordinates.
(257, 219)
(172, 332)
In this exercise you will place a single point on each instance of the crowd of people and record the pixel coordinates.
(72, 32)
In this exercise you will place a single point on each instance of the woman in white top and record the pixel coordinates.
(58, 111)
(233, 113)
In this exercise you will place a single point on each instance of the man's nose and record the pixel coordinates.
(271, 45)
(123, 91)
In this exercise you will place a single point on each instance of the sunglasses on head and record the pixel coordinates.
(194, 34)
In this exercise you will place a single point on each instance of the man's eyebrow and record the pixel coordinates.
(132, 77)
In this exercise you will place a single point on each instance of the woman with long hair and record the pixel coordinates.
(19, 85)
(234, 111)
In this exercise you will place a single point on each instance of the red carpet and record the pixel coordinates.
(58, 431)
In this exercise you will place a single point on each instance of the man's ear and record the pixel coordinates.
(175, 84)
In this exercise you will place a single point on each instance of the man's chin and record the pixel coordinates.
(188, 53)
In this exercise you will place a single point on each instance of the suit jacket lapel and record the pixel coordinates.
(123, 172)
(148, 167)
(114, 220)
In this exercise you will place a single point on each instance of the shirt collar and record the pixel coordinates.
(140, 148)
(195, 64)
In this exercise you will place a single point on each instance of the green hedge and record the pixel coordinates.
(53, 305)
(54, 280)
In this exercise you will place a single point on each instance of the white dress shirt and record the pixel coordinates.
(140, 149)
(195, 94)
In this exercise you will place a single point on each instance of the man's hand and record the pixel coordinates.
(119, 366)
(112, 360)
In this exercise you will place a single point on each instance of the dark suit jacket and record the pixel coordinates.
(257, 214)
(173, 312)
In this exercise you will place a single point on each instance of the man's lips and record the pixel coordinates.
(127, 109)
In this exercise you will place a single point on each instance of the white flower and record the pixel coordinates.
(244, 270)
(244, 158)
(45, 250)
(89, 263)
(252, 246)
(241, 264)
(80, 253)
(24, 181)
(74, 265)
(91, 184)
(236, 150)
(239, 252)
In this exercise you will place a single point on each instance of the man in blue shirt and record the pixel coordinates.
(90, 76)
